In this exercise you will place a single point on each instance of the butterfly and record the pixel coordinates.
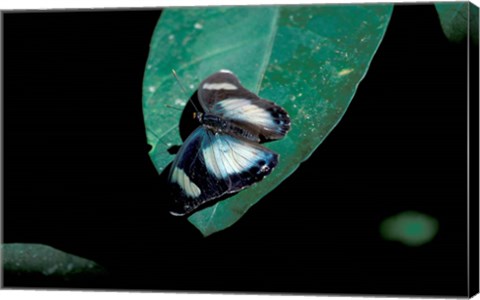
(223, 155)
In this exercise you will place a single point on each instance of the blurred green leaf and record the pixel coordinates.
(455, 18)
(46, 262)
(308, 59)
(411, 228)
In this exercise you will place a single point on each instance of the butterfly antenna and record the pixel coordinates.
(174, 107)
(184, 90)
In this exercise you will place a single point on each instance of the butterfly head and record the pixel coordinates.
(198, 116)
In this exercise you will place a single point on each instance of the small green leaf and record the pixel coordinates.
(455, 19)
(308, 59)
(410, 228)
(48, 262)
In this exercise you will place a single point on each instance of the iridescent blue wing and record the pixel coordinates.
(210, 165)
(223, 95)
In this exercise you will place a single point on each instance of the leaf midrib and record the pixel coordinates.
(268, 53)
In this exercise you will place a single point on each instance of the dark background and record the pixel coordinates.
(77, 175)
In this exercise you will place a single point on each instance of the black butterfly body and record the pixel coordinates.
(223, 155)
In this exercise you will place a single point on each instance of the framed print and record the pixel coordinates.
(323, 149)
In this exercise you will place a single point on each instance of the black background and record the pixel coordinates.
(77, 175)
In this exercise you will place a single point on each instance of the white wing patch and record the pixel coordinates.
(244, 110)
(190, 188)
(219, 86)
(225, 156)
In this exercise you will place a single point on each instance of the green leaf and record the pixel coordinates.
(455, 19)
(308, 59)
(411, 228)
(47, 262)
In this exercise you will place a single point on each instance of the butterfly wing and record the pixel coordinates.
(223, 95)
(210, 165)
